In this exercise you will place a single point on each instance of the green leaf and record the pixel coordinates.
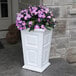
(31, 28)
(49, 28)
(47, 24)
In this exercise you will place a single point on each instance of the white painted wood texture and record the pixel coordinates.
(36, 48)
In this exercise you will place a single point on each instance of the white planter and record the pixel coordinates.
(36, 48)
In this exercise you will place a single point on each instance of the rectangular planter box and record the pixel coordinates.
(36, 48)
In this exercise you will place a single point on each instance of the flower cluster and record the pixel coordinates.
(36, 17)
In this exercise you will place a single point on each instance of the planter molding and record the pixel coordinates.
(36, 48)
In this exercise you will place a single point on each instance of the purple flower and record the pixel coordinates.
(30, 22)
(43, 27)
(26, 11)
(25, 17)
(47, 9)
(48, 16)
(20, 21)
(23, 23)
(21, 16)
(36, 27)
(16, 24)
(40, 15)
(29, 26)
(40, 12)
(43, 16)
(33, 11)
(23, 27)
(34, 15)
(34, 8)
(22, 11)
(20, 28)
(18, 18)
(28, 16)
(39, 20)
(17, 21)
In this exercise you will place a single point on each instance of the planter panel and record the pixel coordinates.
(36, 48)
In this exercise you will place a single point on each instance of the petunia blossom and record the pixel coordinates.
(28, 16)
(25, 17)
(20, 28)
(36, 27)
(39, 20)
(43, 27)
(34, 8)
(30, 22)
(48, 16)
(34, 16)
(23, 23)
(23, 27)
(18, 18)
(20, 21)
(43, 16)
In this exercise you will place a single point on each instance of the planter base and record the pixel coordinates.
(38, 69)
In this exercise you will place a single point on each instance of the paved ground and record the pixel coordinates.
(11, 62)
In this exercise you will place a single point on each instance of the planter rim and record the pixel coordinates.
(37, 30)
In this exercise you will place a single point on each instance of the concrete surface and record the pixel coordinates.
(11, 62)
